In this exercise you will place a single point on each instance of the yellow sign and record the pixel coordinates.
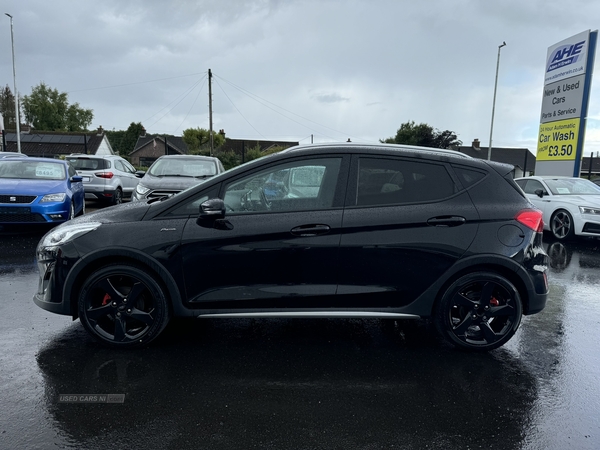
(557, 141)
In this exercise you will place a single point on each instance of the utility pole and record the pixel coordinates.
(210, 121)
(494, 101)
(17, 115)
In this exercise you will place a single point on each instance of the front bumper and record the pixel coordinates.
(34, 213)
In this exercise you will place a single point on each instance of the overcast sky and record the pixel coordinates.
(289, 70)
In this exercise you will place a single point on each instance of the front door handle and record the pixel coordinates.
(310, 230)
(446, 221)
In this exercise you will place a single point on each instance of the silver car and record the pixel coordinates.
(171, 174)
(106, 177)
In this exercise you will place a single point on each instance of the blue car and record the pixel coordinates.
(39, 190)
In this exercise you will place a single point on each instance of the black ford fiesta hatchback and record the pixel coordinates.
(339, 230)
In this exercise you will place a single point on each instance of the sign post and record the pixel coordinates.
(567, 82)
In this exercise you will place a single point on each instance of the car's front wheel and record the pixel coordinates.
(479, 311)
(561, 225)
(121, 305)
(71, 213)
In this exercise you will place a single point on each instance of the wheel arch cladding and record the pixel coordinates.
(94, 261)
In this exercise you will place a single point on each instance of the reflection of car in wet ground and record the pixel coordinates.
(359, 231)
(571, 206)
(576, 256)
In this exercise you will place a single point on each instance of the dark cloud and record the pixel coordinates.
(292, 69)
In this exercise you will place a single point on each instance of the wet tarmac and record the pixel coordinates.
(301, 384)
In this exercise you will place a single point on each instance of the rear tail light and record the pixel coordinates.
(531, 218)
(108, 175)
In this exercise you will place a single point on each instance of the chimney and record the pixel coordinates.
(476, 144)
(100, 130)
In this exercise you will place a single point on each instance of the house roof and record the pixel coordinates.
(174, 142)
(585, 164)
(50, 144)
(518, 157)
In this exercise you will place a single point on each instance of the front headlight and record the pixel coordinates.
(141, 189)
(64, 234)
(53, 198)
(589, 210)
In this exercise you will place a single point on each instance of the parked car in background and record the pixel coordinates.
(171, 174)
(12, 155)
(369, 231)
(39, 190)
(571, 205)
(109, 178)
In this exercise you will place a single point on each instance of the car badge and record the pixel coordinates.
(13, 199)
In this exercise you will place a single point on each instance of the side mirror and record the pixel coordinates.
(213, 208)
(139, 173)
(76, 179)
(539, 192)
(212, 213)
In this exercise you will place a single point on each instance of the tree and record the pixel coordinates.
(7, 108)
(46, 109)
(423, 135)
(123, 141)
(198, 140)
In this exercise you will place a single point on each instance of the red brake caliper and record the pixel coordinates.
(106, 300)
(494, 301)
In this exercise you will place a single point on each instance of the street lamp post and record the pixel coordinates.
(17, 117)
(494, 101)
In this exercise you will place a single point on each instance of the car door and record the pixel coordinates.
(278, 252)
(405, 223)
(76, 187)
(544, 203)
(127, 175)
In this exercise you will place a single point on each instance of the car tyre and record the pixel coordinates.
(479, 311)
(117, 198)
(122, 306)
(71, 211)
(82, 212)
(561, 225)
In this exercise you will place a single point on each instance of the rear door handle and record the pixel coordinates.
(310, 230)
(446, 221)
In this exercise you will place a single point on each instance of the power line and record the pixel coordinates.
(237, 109)
(263, 102)
(135, 83)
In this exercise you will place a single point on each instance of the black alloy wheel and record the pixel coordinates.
(123, 306)
(479, 311)
(561, 225)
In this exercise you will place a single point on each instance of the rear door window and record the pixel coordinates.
(395, 181)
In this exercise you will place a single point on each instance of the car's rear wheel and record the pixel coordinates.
(479, 311)
(561, 225)
(123, 306)
(117, 198)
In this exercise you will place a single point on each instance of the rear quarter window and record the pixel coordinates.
(468, 176)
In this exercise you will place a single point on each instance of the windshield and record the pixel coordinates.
(572, 186)
(197, 168)
(31, 170)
